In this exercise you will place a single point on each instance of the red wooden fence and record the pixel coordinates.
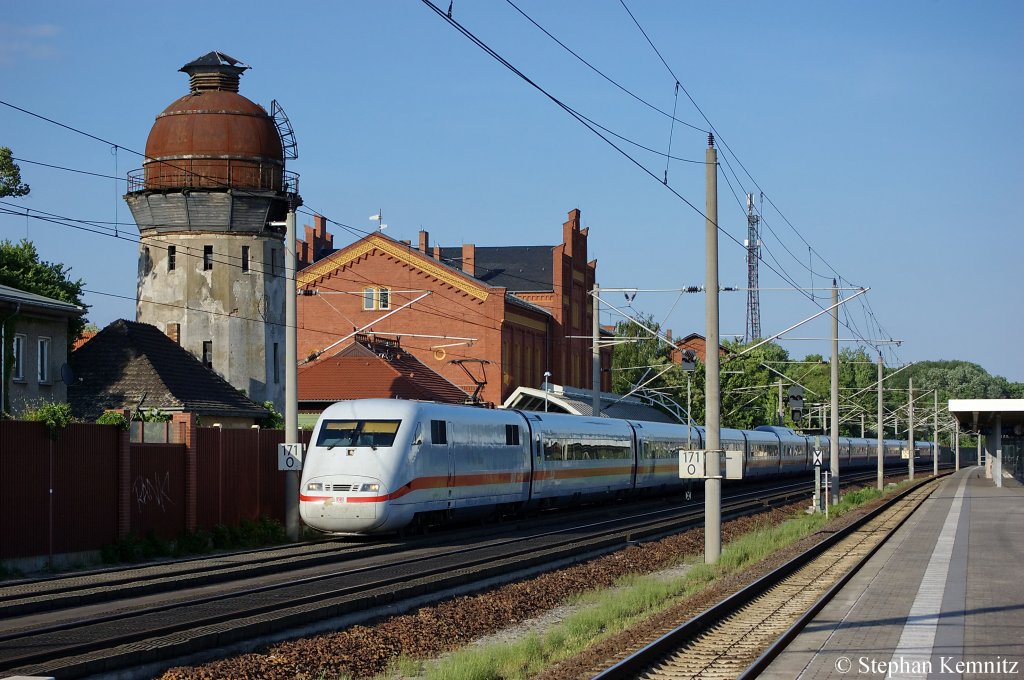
(90, 486)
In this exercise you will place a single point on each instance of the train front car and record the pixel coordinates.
(355, 465)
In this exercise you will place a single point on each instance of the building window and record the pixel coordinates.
(277, 364)
(376, 298)
(171, 252)
(208, 353)
(43, 360)
(245, 259)
(273, 261)
(18, 368)
(207, 258)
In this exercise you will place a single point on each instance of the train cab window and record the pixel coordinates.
(438, 432)
(512, 435)
(372, 433)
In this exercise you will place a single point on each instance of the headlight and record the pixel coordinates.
(314, 486)
(370, 487)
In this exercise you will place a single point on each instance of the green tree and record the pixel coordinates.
(638, 355)
(10, 176)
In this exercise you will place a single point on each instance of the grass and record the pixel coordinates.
(601, 614)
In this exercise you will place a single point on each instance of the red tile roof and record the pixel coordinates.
(359, 372)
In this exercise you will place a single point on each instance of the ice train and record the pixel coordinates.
(381, 465)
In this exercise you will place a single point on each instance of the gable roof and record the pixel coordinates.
(128, 361)
(517, 268)
(401, 252)
(382, 369)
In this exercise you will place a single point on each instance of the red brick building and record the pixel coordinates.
(500, 316)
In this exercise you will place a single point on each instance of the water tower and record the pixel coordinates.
(211, 266)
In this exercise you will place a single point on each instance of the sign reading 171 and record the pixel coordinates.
(692, 464)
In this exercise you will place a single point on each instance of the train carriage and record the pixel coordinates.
(577, 458)
(658, 446)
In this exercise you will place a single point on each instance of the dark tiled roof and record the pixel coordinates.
(358, 372)
(127, 360)
(517, 268)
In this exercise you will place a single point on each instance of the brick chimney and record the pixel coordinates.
(173, 331)
(424, 242)
(437, 253)
(469, 259)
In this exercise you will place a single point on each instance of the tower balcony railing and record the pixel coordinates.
(213, 173)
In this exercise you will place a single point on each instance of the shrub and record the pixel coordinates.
(115, 418)
(56, 416)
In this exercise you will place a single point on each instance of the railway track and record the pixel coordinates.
(87, 625)
(739, 637)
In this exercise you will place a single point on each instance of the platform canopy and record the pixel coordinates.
(973, 414)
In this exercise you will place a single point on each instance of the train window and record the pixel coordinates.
(438, 432)
(512, 435)
(373, 433)
(553, 450)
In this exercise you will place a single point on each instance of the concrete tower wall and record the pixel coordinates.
(210, 294)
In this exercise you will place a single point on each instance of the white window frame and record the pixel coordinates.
(369, 298)
(18, 367)
(383, 298)
(43, 346)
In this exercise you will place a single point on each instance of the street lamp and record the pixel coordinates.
(547, 374)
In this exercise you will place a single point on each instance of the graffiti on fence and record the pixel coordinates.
(155, 491)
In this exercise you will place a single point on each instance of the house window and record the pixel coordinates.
(43, 360)
(245, 259)
(207, 258)
(208, 353)
(171, 252)
(376, 298)
(18, 368)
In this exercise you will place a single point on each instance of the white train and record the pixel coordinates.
(379, 465)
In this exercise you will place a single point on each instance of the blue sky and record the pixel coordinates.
(887, 137)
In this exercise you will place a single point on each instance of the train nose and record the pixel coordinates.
(347, 505)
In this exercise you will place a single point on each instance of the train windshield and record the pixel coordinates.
(372, 433)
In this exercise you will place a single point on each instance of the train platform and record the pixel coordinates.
(943, 598)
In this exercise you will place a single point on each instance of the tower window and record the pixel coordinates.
(245, 259)
(207, 258)
(277, 363)
(208, 353)
(170, 258)
(273, 261)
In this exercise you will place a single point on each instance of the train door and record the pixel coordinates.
(452, 477)
(442, 462)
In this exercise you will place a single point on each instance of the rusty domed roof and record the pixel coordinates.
(214, 137)
(213, 124)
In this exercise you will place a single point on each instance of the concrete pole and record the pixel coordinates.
(293, 524)
(956, 444)
(979, 449)
(781, 413)
(596, 368)
(910, 429)
(863, 420)
(834, 431)
(935, 427)
(712, 387)
(880, 444)
(997, 446)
